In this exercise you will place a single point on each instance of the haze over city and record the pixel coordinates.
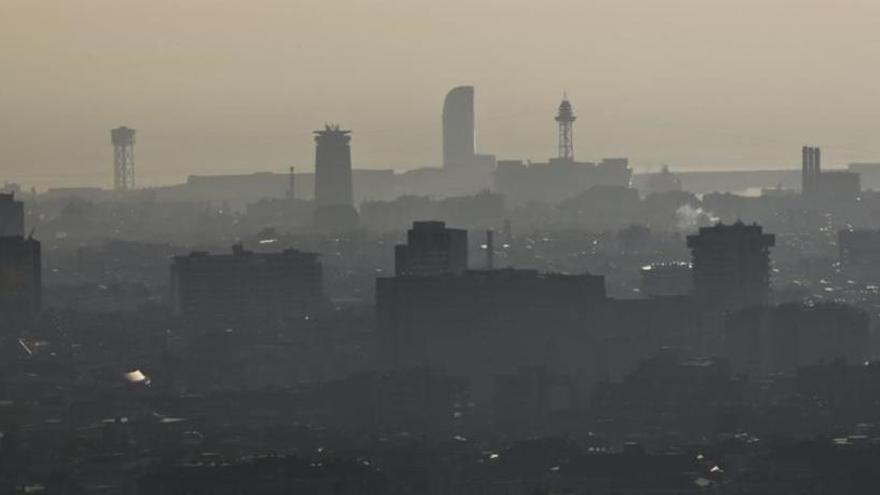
(483, 247)
(235, 87)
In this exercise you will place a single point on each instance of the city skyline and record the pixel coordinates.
(717, 86)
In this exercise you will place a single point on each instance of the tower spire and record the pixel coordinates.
(566, 119)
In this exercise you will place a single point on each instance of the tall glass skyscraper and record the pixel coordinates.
(459, 138)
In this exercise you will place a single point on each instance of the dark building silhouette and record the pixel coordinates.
(784, 338)
(459, 131)
(20, 279)
(122, 139)
(816, 184)
(478, 324)
(731, 265)
(811, 169)
(334, 208)
(869, 174)
(464, 171)
(432, 249)
(11, 216)
(245, 286)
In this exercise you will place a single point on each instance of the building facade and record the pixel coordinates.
(481, 324)
(11, 216)
(20, 279)
(244, 286)
(334, 203)
(731, 266)
(432, 249)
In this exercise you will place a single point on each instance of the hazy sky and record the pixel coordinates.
(216, 86)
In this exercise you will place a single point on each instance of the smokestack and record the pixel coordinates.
(805, 160)
(490, 250)
(817, 160)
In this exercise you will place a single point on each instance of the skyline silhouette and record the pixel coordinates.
(696, 85)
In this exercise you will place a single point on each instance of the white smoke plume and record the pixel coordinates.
(689, 218)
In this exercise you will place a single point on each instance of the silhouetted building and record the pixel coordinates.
(459, 132)
(666, 279)
(484, 323)
(246, 188)
(334, 208)
(816, 184)
(811, 169)
(869, 174)
(464, 171)
(731, 265)
(557, 179)
(432, 249)
(11, 216)
(20, 279)
(245, 286)
(786, 337)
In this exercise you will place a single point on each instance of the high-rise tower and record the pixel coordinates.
(334, 210)
(459, 135)
(333, 167)
(123, 158)
(566, 119)
(731, 265)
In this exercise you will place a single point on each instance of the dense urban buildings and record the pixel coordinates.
(477, 324)
(435, 331)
